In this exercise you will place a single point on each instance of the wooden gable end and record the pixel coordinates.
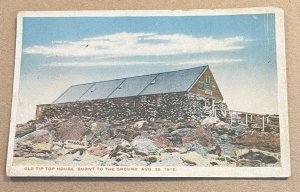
(207, 86)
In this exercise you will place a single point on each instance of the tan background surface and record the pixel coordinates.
(9, 9)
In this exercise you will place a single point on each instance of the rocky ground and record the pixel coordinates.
(160, 142)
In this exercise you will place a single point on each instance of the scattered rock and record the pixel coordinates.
(248, 163)
(215, 150)
(140, 124)
(210, 121)
(119, 150)
(123, 156)
(169, 159)
(194, 158)
(174, 150)
(74, 148)
(176, 140)
(151, 158)
(144, 146)
(214, 163)
(112, 143)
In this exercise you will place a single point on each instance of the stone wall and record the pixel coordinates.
(176, 107)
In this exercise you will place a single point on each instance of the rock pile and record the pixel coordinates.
(153, 142)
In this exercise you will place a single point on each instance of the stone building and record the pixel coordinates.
(175, 95)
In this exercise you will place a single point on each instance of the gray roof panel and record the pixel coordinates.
(101, 90)
(132, 86)
(167, 82)
(73, 93)
(172, 82)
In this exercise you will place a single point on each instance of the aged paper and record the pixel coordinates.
(198, 93)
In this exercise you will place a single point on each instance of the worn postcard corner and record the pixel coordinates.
(198, 93)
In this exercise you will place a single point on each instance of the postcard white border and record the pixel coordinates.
(226, 172)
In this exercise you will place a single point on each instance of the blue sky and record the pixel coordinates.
(59, 52)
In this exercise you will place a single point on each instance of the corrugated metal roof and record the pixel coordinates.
(167, 82)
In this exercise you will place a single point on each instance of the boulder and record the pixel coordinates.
(221, 125)
(100, 151)
(129, 134)
(71, 129)
(38, 136)
(43, 155)
(199, 149)
(176, 140)
(115, 142)
(122, 156)
(263, 156)
(194, 158)
(198, 136)
(222, 128)
(186, 124)
(208, 121)
(73, 148)
(140, 124)
(162, 142)
(259, 139)
(24, 129)
(143, 146)
(42, 147)
(151, 158)
(119, 150)
(169, 159)
(216, 150)
(180, 132)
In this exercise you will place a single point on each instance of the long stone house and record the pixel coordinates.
(174, 95)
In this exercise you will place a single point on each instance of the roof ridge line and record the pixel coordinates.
(140, 75)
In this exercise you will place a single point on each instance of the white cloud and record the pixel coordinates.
(117, 62)
(209, 61)
(100, 63)
(138, 44)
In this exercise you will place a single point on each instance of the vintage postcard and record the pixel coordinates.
(197, 93)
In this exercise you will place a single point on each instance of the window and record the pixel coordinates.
(201, 85)
(208, 92)
(207, 79)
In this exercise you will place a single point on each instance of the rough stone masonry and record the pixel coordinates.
(177, 107)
